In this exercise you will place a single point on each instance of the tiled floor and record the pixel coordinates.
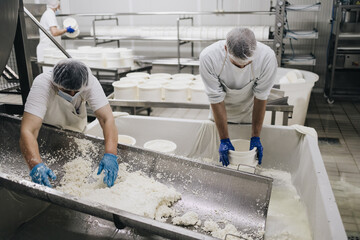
(341, 121)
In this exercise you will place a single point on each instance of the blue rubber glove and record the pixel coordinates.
(40, 174)
(225, 146)
(70, 29)
(111, 168)
(255, 142)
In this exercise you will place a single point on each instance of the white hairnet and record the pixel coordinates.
(71, 74)
(52, 3)
(241, 45)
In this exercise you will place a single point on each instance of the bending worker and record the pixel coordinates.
(49, 22)
(238, 74)
(58, 98)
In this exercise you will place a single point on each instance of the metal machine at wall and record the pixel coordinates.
(342, 78)
(13, 33)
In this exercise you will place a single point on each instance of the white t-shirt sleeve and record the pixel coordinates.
(39, 95)
(49, 19)
(266, 80)
(94, 94)
(213, 88)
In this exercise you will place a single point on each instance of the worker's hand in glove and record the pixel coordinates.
(255, 142)
(40, 174)
(70, 29)
(111, 168)
(225, 146)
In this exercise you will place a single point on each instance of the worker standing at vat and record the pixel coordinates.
(238, 74)
(49, 22)
(58, 98)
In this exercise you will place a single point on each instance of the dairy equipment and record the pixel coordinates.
(240, 197)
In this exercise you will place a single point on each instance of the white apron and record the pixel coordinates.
(62, 114)
(43, 44)
(238, 102)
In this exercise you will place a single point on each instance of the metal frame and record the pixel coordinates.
(110, 18)
(169, 13)
(287, 110)
(182, 16)
(279, 31)
(298, 60)
(329, 92)
(115, 72)
(181, 42)
(22, 54)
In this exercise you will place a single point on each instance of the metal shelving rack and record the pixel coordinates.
(283, 32)
(344, 54)
(280, 33)
(181, 62)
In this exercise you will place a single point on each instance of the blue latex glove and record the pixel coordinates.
(225, 146)
(70, 29)
(111, 168)
(40, 174)
(255, 142)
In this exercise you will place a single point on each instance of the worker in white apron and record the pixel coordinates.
(58, 98)
(238, 74)
(49, 22)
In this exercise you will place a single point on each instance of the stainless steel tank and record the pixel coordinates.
(8, 20)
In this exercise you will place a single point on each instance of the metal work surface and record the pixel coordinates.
(212, 192)
(8, 20)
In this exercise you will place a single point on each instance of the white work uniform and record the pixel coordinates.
(237, 86)
(44, 101)
(48, 20)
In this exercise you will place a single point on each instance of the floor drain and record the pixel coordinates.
(353, 238)
(329, 140)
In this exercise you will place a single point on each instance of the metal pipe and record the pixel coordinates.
(46, 33)
(168, 13)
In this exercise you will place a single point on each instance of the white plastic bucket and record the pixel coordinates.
(242, 154)
(150, 92)
(95, 62)
(126, 62)
(111, 53)
(71, 22)
(197, 94)
(125, 91)
(113, 63)
(132, 80)
(126, 52)
(160, 145)
(138, 75)
(161, 75)
(183, 75)
(181, 80)
(299, 95)
(176, 93)
(126, 140)
(161, 81)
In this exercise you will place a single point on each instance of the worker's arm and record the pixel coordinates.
(57, 32)
(220, 117)
(30, 126)
(258, 116)
(107, 123)
(257, 121)
(219, 112)
(109, 161)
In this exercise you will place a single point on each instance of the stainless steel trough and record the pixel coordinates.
(240, 198)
